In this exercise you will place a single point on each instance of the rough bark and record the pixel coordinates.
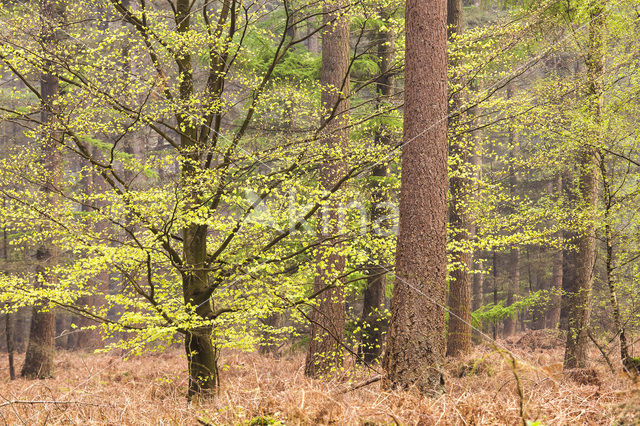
(40, 350)
(416, 340)
(373, 321)
(325, 352)
(459, 338)
(576, 354)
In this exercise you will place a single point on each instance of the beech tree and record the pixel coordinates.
(195, 229)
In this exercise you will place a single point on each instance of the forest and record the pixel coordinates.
(274, 212)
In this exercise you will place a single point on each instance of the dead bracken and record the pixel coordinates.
(258, 389)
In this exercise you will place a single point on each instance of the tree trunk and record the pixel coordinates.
(9, 326)
(417, 332)
(39, 357)
(513, 284)
(9, 329)
(38, 362)
(538, 283)
(609, 264)
(477, 286)
(202, 360)
(576, 355)
(459, 339)
(373, 321)
(202, 355)
(495, 291)
(553, 314)
(513, 279)
(325, 352)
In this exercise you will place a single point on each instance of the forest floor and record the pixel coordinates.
(260, 390)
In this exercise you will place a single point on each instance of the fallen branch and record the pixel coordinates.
(367, 382)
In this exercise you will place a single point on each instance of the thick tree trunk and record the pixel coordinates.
(459, 339)
(373, 322)
(202, 355)
(576, 354)
(40, 350)
(325, 352)
(417, 332)
(202, 360)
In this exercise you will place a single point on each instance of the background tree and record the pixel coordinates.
(325, 351)
(40, 351)
(459, 337)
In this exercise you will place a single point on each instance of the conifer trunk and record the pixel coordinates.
(325, 352)
(416, 340)
(576, 354)
(459, 339)
(374, 295)
(40, 350)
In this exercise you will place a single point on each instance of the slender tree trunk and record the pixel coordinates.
(325, 352)
(459, 339)
(373, 321)
(40, 350)
(513, 279)
(576, 354)
(478, 283)
(553, 314)
(537, 283)
(513, 284)
(8, 318)
(609, 262)
(477, 286)
(495, 291)
(417, 332)
(9, 330)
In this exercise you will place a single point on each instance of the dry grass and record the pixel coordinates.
(104, 389)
